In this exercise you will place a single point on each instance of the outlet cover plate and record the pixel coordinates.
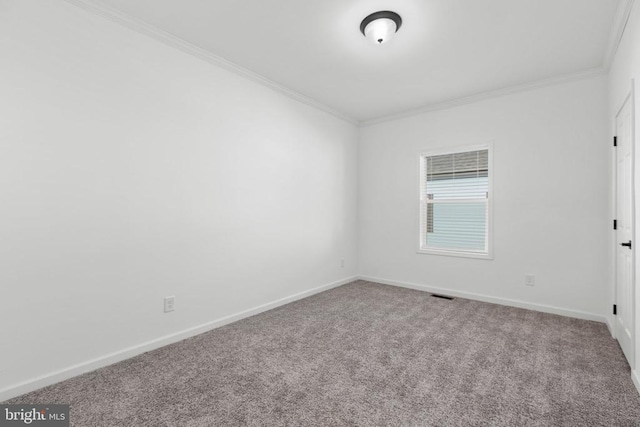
(169, 304)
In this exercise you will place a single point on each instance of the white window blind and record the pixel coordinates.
(454, 211)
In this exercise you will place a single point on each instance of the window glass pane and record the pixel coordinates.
(459, 188)
(461, 226)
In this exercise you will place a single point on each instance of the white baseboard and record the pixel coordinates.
(494, 300)
(612, 328)
(111, 358)
(635, 377)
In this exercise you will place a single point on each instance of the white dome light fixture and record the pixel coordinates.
(380, 27)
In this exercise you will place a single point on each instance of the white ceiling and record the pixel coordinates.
(445, 50)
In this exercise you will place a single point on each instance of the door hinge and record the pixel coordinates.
(615, 309)
(615, 224)
(615, 141)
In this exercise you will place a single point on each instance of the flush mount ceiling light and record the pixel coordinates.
(380, 27)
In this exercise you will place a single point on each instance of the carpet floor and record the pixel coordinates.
(366, 354)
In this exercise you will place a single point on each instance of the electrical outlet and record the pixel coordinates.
(529, 280)
(169, 303)
(342, 263)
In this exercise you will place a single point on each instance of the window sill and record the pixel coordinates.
(459, 254)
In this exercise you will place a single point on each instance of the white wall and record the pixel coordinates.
(625, 67)
(552, 176)
(129, 171)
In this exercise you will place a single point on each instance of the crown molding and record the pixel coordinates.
(566, 78)
(617, 31)
(169, 39)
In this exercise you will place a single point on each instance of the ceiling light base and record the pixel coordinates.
(380, 27)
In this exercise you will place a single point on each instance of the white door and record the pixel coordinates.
(624, 234)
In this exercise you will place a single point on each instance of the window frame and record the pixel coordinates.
(421, 191)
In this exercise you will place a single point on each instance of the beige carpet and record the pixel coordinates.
(366, 354)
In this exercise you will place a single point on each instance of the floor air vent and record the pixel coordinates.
(441, 296)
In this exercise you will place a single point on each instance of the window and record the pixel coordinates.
(455, 203)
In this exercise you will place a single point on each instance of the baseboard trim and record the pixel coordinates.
(494, 300)
(117, 356)
(635, 377)
(612, 329)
